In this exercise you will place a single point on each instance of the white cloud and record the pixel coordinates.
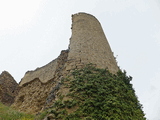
(116, 6)
(152, 97)
(15, 13)
(156, 36)
(141, 5)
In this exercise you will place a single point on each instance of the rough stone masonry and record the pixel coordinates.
(88, 44)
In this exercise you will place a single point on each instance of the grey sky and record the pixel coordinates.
(33, 32)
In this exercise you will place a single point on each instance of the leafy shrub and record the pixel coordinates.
(99, 95)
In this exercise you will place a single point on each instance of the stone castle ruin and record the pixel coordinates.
(88, 44)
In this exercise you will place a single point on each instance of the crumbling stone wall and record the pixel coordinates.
(46, 72)
(31, 97)
(88, 44)
(37, 94)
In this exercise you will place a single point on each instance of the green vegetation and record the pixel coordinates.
(96, 94)
(7, 113)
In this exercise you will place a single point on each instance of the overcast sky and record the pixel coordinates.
(33, 32)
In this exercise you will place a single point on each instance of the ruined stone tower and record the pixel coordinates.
(88, 44)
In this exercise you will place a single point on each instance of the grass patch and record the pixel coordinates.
(7, 113)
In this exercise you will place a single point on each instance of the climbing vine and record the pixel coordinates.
(96, 94)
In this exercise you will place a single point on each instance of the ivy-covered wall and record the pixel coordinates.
(96, 94)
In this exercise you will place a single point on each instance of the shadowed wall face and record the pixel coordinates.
(89, 44)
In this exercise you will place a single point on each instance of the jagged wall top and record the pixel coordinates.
(88, 44)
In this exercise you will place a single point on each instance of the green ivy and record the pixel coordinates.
(99, 95)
